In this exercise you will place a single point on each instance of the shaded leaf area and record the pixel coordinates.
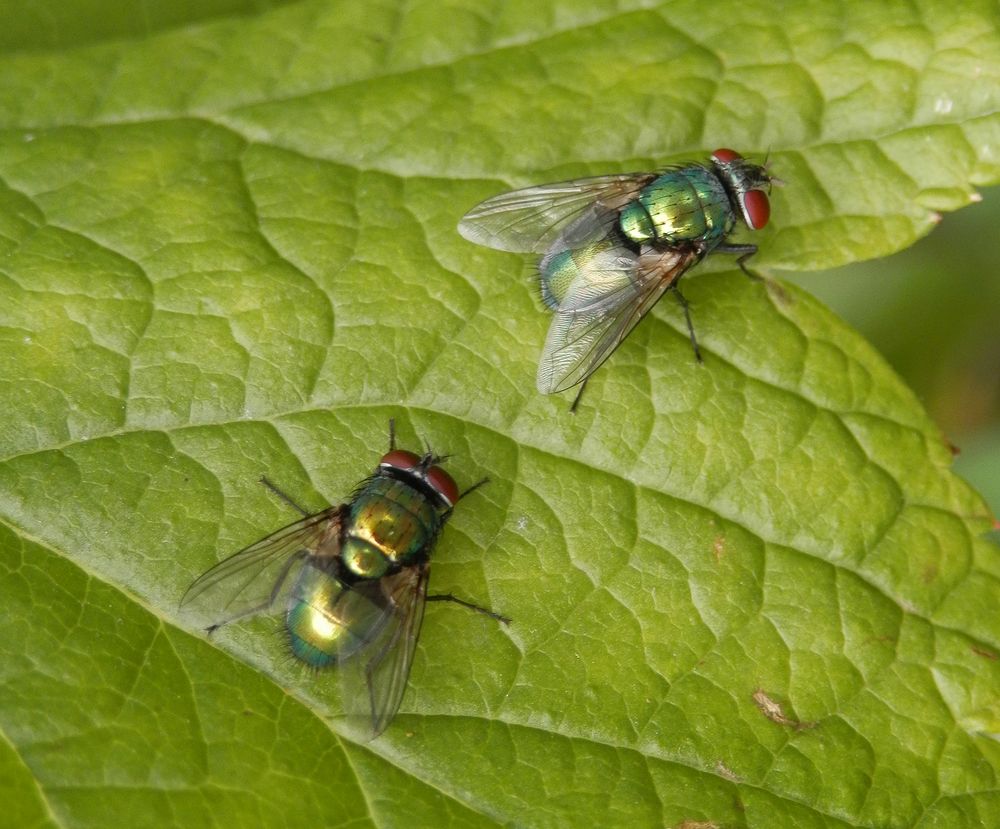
(47, 24)
(746, 593)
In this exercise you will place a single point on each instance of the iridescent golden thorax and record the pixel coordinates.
(389, 523)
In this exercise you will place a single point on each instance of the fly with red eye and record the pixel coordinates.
(351, 580)
(611, 246)
(424, 469)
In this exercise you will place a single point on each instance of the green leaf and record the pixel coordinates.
(749, 593)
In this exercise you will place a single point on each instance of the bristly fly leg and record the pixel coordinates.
(690, 325)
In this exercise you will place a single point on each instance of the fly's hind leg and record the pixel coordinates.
(448, 597)
(690, 325)
(579, 394)
(265, 605)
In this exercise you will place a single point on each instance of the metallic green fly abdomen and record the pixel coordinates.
(352, 579)
(611, 246)
(322, 630)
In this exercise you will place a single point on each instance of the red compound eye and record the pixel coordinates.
(400, 459)
(443, 484)
(756, 208)
(726, 156)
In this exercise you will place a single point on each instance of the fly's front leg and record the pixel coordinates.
(745, 252)
(446, 515)
(473, 488)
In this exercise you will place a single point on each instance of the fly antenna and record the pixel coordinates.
(771, 180)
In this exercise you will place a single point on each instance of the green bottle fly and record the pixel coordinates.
(352, 579)
(611, 246)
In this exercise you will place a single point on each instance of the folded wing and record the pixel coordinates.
(531, 219)
(603, 304)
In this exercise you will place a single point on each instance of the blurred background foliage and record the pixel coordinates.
(933, 311)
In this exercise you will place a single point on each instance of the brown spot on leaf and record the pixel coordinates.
(884, 639)
(772, 709)
(719, 548)
(723, 770)
(985, 653)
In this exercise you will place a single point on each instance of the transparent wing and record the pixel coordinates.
(529, 220)
(253, 580)
(611, 295)
(374, 687)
